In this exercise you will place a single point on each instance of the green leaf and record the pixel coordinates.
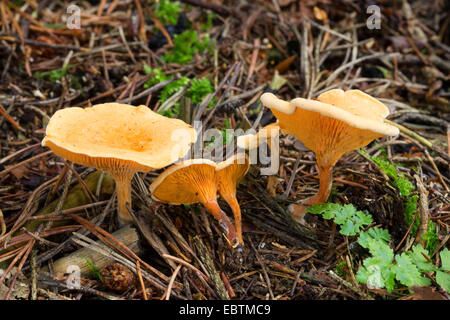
(381, 251)
(377, 269)
(377, 273)
(407, 273)
(443, 279)
(94, 269)
(389, 278)
(362, 275)
(345, 213)
(362, 218)
(327, 210)
(373, 233)
(349, 228)
(419, 260)
(147, 69)
(445, 259)
(317, 208)
(350, 220)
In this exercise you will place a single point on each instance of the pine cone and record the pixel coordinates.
(117, 277)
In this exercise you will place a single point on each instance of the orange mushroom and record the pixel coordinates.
(193, 181)
(120, 139)
(339, 122)
(228, 175)
(251, 141)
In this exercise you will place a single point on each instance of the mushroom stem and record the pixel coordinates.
(325, 182)
(234, 204)
(230, 232)
(123, 188)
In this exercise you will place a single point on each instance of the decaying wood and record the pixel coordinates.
(127, 235)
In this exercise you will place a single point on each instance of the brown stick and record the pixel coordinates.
(212, 271)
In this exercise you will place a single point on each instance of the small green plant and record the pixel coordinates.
(384, 269)
(167, 11)
(53, 75)
(430, 237)
(94, 270)
(172, 88)
(443, 274)
(168, 91)
(227, 136)
(404, 186)
(208, 24)
(199, 89)
(350, 220)
(58, 74)
(186, 45)
(406, 189)
(158, 76)
(341, 269)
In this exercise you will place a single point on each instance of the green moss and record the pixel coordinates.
(157, 76)
(341, 269)
(185, 46)
(199, 89)
(58, 74)
(168, 91)
(431, 238)
(404, 187)
(167, 11)
(172, 88)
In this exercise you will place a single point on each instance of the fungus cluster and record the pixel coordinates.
(336, 123)
(199, 181)
(120, 139)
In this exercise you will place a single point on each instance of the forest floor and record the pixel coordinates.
(219, 57)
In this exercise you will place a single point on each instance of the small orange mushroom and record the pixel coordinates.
(265, 134)
(120, 139)
(228, 175)
(339, 122)
(193, 181)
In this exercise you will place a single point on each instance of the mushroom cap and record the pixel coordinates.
(230, 172)
(112, 136)
(187, 182)
(252, 141)
(337, 123)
